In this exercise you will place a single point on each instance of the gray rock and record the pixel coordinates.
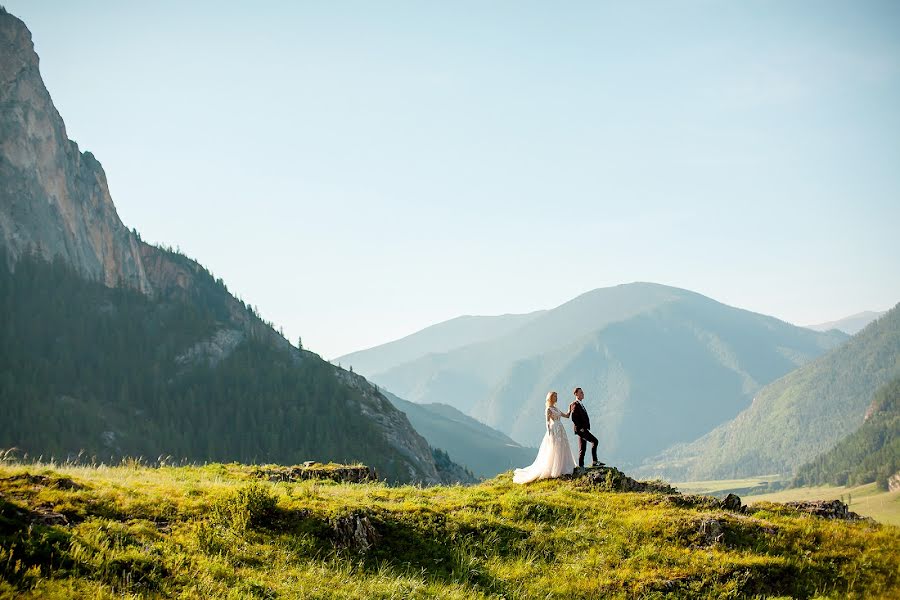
(828, 509)
(354, 532)
(713, 531)
(894, 482)
(732, 502)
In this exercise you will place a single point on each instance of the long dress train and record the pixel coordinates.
(554, 457)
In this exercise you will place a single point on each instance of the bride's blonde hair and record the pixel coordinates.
(551, 398)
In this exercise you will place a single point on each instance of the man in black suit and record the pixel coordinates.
(582, 424)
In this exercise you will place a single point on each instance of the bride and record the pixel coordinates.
(554, 458)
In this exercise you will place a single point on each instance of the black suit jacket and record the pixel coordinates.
(580, 417)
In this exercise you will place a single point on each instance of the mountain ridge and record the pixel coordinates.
(55, 206)
(796, 417)
(612, 342)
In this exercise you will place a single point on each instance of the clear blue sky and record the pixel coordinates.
(361, 170)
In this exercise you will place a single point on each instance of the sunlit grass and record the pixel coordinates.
(217, 531)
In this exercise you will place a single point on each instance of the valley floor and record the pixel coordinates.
(221, 531)
(866, 500)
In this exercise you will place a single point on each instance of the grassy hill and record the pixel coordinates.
(483, 450)
(797, 417)
(659, 366)
(869, 454)
(218, 531)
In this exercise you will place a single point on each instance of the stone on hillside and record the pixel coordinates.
(309, 470)
(828, 509)
(354, 532)
(713, 531)
(612, 479)
(732, 502)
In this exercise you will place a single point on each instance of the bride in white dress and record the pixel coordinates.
(554, 457)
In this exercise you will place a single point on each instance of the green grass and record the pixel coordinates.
(216, 532)
(866, 500)
(721, 487)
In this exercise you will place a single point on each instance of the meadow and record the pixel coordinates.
(866, 500)
(134, 531)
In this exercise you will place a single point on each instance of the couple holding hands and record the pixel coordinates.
(554, 457)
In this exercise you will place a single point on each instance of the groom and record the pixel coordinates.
(582, 424)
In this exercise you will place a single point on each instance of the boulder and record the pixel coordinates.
(712, 531)
(354, 532)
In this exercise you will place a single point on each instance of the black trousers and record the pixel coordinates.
(585, 436)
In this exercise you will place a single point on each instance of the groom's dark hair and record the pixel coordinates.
(576, 390)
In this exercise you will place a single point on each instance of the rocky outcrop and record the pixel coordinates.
(396, 429)
(54, 199)
(316, 471)
(731, 502)
(893, 482)
(614, 480)
(828, 509)
(354, 532)
(213, 350)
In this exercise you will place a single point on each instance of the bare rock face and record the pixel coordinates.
(213, 350)
(894, 482)
(396, 429)
(54, 198)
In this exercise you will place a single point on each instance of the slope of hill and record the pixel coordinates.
(483, 450)
(216, 532)
(659, 365)
(849, 325)
(796, 418)
(871, 453)
(114, 346)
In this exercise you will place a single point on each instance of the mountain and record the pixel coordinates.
(849, 325)
(659, 365)
(797, 417)
(871, 453)
(485, 451)
(116, 347)
(443, 337)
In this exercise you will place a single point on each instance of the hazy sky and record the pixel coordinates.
(361, 170)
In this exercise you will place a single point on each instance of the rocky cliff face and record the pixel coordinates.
(53, 197)
(54, 200)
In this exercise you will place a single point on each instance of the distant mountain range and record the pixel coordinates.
(115, 347)
(659, 365)
(849, 325)
(796, 418)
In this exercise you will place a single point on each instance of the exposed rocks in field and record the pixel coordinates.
(894, 482)
(712, 531)
(731, 502)
(354, 532)
(312, 470)
(829, 509)
(612, 479)
(39, 481)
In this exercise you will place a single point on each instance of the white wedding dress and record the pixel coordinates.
(554, 457)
